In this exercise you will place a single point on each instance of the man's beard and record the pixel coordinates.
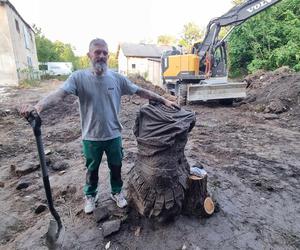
(100, 67)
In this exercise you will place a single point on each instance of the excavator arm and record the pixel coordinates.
(234, 17)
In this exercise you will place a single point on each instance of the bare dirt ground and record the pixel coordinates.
(251, 152)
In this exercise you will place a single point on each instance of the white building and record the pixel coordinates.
(18, 56)
(142, 59)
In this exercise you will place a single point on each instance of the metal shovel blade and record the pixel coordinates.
(54, 235)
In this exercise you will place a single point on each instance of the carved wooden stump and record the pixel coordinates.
(160, 185)
(157, 182)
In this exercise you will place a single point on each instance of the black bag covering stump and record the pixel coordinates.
(158, 180)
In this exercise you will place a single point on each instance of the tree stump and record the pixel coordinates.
(197, 201)
(158, 180)
(160, 185)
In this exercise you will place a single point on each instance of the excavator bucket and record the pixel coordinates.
(214, 89)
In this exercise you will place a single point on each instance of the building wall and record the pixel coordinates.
(150, 70)
(8, 71)
(154, 71)
(23, 41)
(136, 65)
(20, 48)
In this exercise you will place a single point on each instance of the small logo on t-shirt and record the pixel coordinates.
(111, 88)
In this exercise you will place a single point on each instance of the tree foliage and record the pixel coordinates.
(64, 51)
(191, 34)
(113, 60)
(45, 48)
(268, 40)
(82, 62)
(48, 51)
(166, 40)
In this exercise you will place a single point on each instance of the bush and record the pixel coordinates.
(267, 41)
(59, 77)
(29, 77)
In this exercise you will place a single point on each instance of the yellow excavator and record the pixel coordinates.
(203, 74)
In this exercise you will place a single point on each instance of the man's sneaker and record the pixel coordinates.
(119, 199)
(90, 203)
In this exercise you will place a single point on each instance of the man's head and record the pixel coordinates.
(98, 54)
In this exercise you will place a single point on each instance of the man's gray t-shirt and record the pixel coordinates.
(100, 99)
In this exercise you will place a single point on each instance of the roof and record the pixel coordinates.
(15, 10)
(140, 50)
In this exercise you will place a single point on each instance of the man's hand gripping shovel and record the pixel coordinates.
(54, 236)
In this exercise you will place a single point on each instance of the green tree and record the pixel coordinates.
(57, 51)
(267, 41)
(166, 40)
(82, 62)
(45, 48)
(191, 34)
(64, 51)
(113, 60)
(223, 32)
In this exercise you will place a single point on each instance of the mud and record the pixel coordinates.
(252, 156)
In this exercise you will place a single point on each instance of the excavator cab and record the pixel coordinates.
(219, 61)
(189, 68)
(185, 67)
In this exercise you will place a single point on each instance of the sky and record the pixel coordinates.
(116, 21)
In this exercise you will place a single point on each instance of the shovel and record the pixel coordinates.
(54, 234)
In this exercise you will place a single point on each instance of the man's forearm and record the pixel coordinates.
(144, 93)
(51, 100)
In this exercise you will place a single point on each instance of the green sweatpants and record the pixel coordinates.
(93, 152)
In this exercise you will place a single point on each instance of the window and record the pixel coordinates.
(43, 66)
(29, 62)
(26, 38)
(133, 66)
(17, 26)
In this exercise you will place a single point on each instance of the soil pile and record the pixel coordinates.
(274, 92)
(69, 107)
(142, 82)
